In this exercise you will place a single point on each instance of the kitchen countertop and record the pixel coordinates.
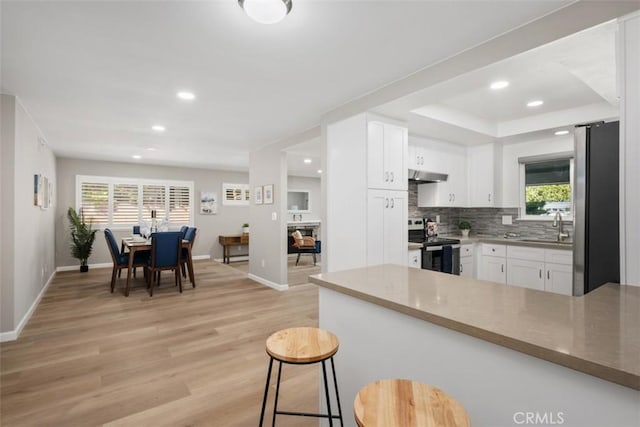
(415, 245)
(598, 334)
(513, 241)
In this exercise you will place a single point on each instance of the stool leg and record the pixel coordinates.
(266, 391)
(326, 391)
(275, 404)
(335, 383)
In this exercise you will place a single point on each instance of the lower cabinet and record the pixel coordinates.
(387, 227)
(535, 268)
(415, 258)
(466, 260)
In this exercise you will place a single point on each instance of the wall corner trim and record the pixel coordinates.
(15, 334)
(268, 283)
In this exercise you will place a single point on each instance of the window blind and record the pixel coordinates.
(153, 198)
(125, 204)
(94, 202)
(179, 205)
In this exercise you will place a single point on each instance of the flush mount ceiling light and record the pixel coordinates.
(319, 170)
(158, 128)
(562, 132)
(136, 156)
(499, 84)
(186, 96)
(535, 103)
(266, 11)
(307, 160)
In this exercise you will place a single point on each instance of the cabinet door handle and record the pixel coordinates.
(540, 273)
(392, 178)
(461, 269)
(548, 275)
(386, 177)
(454, 197)
(393, 203)
(501, 268)
(421, 160)
(386, 203)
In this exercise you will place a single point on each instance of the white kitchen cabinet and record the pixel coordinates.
(415, 258)
(386, 227)
(493, 263)
(493, 269)
(484, 175)
(386, 156)
(449, 159)
(416, 157)
(559, 278)
(467, 260)
(525, 274)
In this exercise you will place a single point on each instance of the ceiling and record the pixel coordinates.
(574, 76)
(97, 75)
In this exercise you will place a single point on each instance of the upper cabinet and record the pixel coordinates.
(386, 156)
(484, 175)
(444, 158)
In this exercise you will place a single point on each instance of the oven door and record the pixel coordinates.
(432, 259)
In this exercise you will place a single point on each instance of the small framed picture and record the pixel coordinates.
(257, 195)
(268, 194)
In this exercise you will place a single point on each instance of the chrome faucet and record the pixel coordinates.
(557, 222)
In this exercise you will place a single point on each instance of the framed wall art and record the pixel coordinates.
(268, 194)
(257, 195)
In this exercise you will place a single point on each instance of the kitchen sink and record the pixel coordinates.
(555, 242)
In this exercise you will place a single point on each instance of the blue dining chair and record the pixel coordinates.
(190, 235)
(121, 259)
(183, 230)
(165, 255)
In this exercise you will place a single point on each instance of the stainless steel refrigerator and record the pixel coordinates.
(596, 258)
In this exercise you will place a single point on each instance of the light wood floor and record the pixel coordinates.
(297, 274)
(89, 357)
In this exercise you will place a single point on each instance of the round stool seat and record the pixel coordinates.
(302, 345)
(406, 403)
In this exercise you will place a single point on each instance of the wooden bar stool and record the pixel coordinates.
(302, 346)
(405, 403)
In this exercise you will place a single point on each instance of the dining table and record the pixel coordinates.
(135, 244)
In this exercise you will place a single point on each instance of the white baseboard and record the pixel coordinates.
(77, 267)
(235, 258)
(268, 283)
(110, 264)
(13, 335)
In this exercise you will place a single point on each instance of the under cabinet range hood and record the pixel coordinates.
(424, 176)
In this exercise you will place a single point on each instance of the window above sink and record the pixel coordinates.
(298, 201)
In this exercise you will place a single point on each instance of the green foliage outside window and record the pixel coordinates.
(536, 196)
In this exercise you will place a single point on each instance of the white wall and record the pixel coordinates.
(7, 178)
(344, 190)
(630, 149)
(228, 220)
(268, 248)
(315, 197)
(33, 242)
(511, 168)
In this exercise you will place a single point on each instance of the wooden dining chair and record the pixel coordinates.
(165, 255)
(189, 235)
(120, 258)
(305, 245)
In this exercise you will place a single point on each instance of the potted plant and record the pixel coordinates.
(464, 227)
(82, 237)
(245, 228)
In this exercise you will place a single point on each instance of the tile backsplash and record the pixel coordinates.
(484, 221)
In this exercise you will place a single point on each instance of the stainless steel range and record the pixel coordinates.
(438, 254)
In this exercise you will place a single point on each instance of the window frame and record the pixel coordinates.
(522, 186)
(139, 182)
(245, 194)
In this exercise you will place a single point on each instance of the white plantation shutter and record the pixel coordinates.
(235, 194)
(94, 202)
(122, 202)
(125, 204)
(153, 198)
(179, 205)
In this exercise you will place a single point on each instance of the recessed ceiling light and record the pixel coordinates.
(535, 103)
(562, 132)
(151, 149)
(158, 128)
(307, 160)
(187, 96)
(319, 170)
(266, 11)
(137, 156)
(501, 84)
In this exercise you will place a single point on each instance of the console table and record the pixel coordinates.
(228, 241)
